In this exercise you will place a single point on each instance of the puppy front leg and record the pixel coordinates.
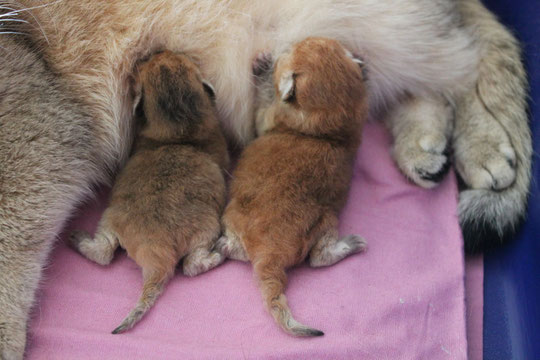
(262, 68)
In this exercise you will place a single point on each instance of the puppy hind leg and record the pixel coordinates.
(99, 249)
(202, 256)
(201, 260)
(231, 246)
(329, 248)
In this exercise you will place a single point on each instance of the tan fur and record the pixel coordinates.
(291, 183)
(48, 159)
(167, 201)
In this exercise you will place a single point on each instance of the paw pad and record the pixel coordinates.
(262, 63)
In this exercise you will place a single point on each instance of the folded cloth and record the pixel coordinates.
(474, 303)
(401, 299)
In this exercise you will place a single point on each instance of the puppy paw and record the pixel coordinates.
(486, 162)
(262, 63)
(327, 253)
(351, 244)
(196, 264)
(223, 246)
(77, 237)
(424, 159)
(231, 248)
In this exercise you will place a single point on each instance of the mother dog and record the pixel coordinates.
(445, 75)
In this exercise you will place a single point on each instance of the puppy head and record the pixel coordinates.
(319, 76)
(173, 96)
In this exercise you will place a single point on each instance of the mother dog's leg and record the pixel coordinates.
(492, 141)
(422, 128)
(47, 163)
(490, 135)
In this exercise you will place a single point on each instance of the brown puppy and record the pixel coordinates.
(167, 201)
(291, 183)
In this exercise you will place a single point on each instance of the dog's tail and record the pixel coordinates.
(152, 288)
(157, 270)
(272, 281)
(488, 217)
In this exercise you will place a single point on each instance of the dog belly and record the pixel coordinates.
(407, 49)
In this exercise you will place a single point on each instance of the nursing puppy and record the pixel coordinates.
(291, 183)
(167, 202)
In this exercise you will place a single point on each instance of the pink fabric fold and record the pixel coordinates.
(402, 299)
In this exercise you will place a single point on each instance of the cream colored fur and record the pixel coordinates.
(408, 45)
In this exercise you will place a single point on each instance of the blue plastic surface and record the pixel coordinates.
(512, 274)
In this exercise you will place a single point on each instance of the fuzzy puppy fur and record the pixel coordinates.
(167, 202)
(291, 183)
(444, 74)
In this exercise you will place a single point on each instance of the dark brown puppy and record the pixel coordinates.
(291, 183)
(167, 202)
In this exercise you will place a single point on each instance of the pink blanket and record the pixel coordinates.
(402, 299)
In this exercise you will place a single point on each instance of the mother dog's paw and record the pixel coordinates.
(424, 160)
(486, 160)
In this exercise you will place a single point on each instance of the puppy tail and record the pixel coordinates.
(153, 284)
(272, 281)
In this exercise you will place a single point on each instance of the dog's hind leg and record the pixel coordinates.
(47, 163)
(492, 140)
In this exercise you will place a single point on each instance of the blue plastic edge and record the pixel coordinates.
(512, 273)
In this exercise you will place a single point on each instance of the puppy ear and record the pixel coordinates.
(137, 92)
(355, 58)
(209, 89)
(287, 86)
